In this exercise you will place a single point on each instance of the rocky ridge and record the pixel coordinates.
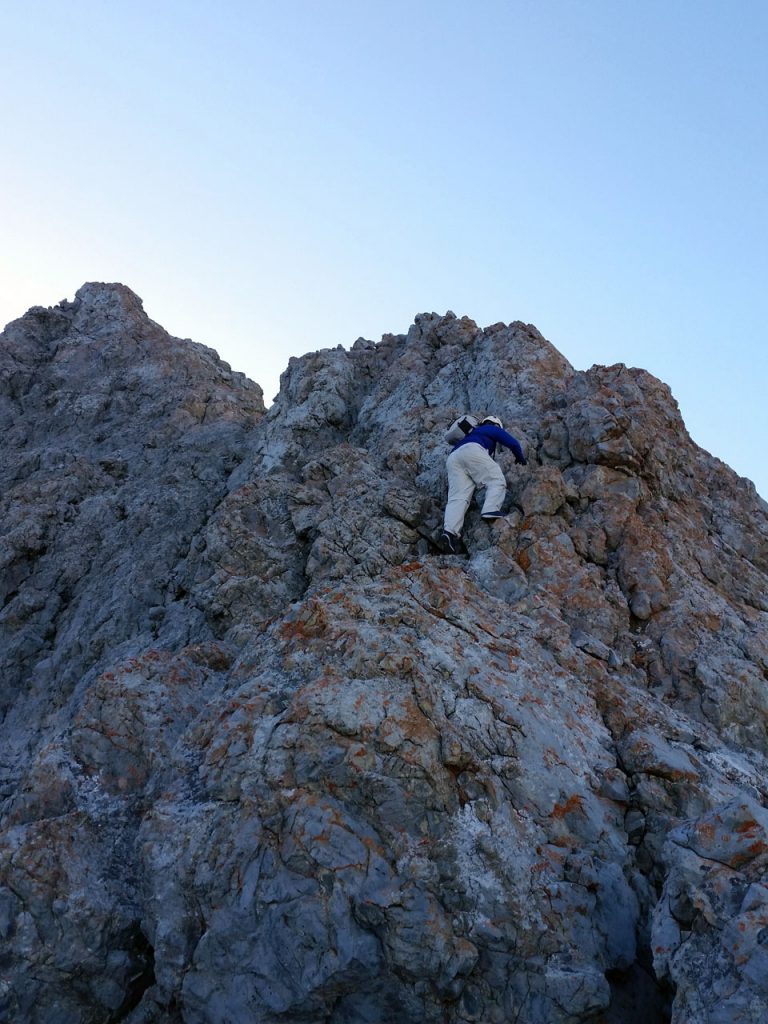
(268, 755)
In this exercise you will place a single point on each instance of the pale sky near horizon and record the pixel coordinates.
(277, 177)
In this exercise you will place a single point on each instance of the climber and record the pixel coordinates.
(471, 465)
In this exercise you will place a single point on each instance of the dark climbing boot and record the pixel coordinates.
(449, 542)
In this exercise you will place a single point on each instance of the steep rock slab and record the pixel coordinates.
(117, 444)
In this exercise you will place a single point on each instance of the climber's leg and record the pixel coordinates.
(460, 491)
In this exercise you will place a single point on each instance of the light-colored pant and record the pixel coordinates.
(468, 467)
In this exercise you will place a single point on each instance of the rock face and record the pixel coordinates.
(268, 756)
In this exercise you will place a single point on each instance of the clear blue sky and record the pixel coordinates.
(276, 177)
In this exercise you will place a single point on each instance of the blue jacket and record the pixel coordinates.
(489, 435)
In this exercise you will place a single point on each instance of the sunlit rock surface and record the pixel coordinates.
(268, 755)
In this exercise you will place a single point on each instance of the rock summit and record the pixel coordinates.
(268, 756)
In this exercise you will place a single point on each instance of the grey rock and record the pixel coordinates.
(709, 926)
(268, 756)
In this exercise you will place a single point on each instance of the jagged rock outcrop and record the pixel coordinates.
(268, 756)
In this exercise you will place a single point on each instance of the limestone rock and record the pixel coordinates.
(267, 755)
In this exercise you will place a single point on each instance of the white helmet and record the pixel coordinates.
(494, 419)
